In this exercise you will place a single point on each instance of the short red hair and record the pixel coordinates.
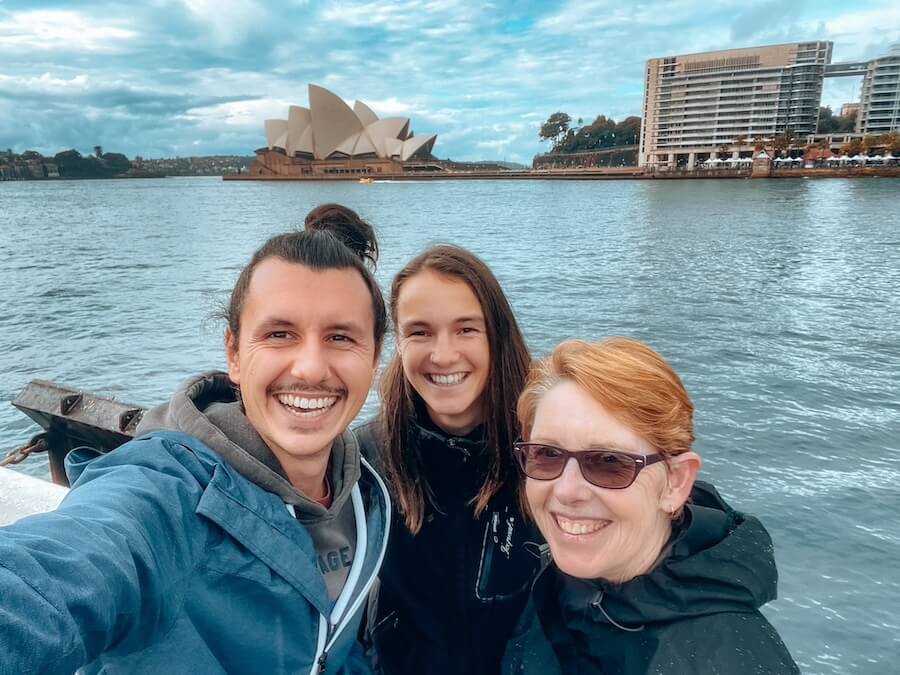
(630, 380)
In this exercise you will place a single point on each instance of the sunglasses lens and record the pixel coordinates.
(542, 462)
(608, 469)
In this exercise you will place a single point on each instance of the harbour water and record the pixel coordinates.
(777, 301)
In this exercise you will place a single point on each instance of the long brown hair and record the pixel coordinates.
(509, 360)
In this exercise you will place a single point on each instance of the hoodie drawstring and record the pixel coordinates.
(598, 604)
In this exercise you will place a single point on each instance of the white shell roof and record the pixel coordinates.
(329, 126)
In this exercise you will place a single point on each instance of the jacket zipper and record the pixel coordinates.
(331, 628)
(452, 443)
(323, 658)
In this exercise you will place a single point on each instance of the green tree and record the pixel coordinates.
(828, 123)
(116, 163)
(555, 128)
(603, 132)
(628, 131)
(740, 141)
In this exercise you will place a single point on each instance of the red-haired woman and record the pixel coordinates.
(643, 579)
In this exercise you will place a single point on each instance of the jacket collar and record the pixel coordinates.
(261, 522)
(426, 431)
(726, 555)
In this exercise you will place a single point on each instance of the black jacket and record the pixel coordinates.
(696, 612)
(450, 596)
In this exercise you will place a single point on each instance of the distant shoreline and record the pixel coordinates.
(619, 173)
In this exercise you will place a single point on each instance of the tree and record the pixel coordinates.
(602, 132)
(829, 123)
(628, 131)
(116, 163)
(98, 151)
(791, 137)
(854, 147)
(740, 141)
(555, 128)
(869, 143)
(723, 149)
(780, 143)
(893, 142)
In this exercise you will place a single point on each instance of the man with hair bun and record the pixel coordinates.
(241, 531)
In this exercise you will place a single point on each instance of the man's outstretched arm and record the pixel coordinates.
(105, 569)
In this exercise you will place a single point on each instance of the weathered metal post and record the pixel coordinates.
(72, 419)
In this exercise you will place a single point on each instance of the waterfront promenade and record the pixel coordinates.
(594, 173)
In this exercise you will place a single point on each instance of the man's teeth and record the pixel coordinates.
(453, 378)
(580, 526)
(304, 403)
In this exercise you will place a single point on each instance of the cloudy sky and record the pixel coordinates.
(163, 78)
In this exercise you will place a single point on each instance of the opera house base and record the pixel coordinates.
(275, 164)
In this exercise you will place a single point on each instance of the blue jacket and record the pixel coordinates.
(163, 558)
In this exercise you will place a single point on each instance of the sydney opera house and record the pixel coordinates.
(331, 139)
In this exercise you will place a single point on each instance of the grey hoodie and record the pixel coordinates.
(207, 407)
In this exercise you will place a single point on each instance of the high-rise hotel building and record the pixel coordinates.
(697, 103)
(879, 111)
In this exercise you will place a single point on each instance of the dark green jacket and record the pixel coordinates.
(696, 612)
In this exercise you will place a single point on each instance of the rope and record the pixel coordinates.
(18, 455)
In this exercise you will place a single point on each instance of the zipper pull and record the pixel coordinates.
(454, 444)
(324, 656)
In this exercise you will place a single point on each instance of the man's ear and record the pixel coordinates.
(683, 471)
(231, 353)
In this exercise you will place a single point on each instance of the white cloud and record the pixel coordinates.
(56, 30)
(229, 22)
(46, 84)
(866, 33)
(390, 106)
(594, 15)
(244, 114)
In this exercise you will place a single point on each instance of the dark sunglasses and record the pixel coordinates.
(604, 468)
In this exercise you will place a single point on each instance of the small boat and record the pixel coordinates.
(366, 179)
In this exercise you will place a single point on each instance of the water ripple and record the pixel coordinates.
(777, 302)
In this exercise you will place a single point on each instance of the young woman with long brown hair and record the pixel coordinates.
(458, 567)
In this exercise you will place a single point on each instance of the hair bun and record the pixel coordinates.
(345, 225)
